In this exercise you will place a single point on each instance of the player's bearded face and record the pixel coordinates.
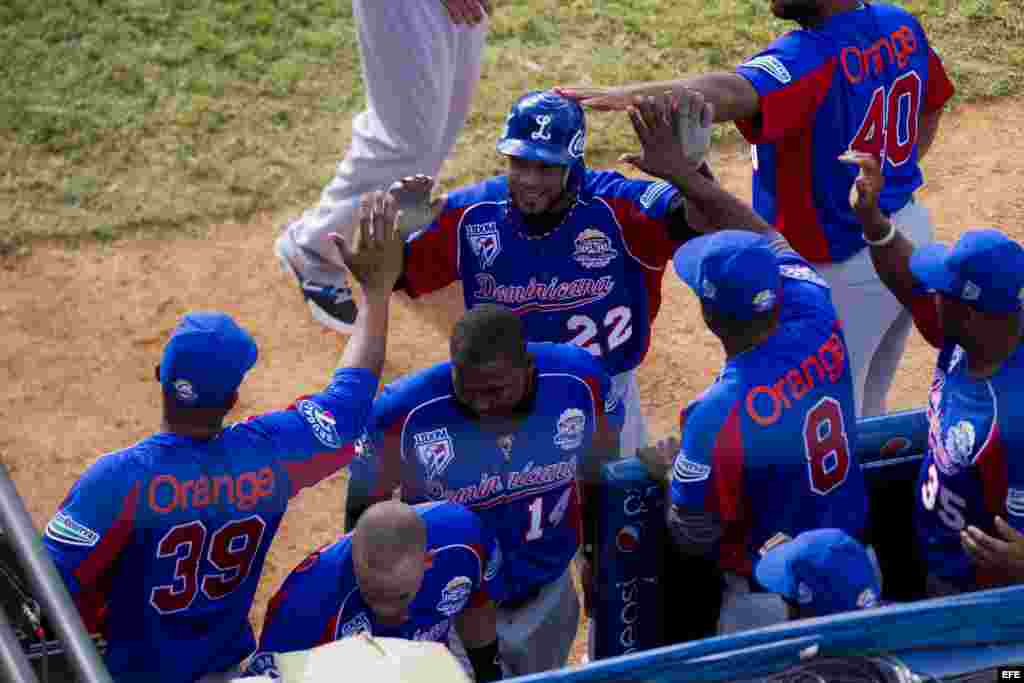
(535, 187)
(800, 11)
(389, 587)
(495, 390)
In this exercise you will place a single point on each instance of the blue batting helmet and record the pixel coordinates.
(546, 127)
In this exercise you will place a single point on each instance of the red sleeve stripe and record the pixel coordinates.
(319, 467)
(92, 569)
(432, 259)
(939, 89)
(727, 496)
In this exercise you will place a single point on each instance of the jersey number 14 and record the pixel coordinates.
(889, 129)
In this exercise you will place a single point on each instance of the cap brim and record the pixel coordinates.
(928, 266)
(772, 570)
(523, 150)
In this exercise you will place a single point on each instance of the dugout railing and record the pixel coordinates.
(48, 589)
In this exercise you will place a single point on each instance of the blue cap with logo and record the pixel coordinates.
(825, 571)
(206, 359)
(984, 269)
(734, 272)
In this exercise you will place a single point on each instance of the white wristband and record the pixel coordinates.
(889, 237)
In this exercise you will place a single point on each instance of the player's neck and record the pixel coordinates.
(203, 433)
(830, 11)
(986, 360)
(735, 346)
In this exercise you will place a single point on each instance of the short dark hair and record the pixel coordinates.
(486, 333)
(725, 325)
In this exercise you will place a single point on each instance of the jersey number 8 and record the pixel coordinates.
(825, 446)
(231, 551)
(889, 129)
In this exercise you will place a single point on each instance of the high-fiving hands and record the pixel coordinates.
(674, 130)
(375, 253)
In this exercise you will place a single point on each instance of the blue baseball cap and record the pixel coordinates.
(732, 271)
(206, 359)
(825, 571)
(984, 269)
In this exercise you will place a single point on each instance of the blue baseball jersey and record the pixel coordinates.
(162, 544)
(860, 81)
(973, 469)
(522, 483)
(595, 281)
(769, 446)
(320, 601)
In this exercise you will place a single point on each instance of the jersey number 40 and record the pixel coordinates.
(889, 129)
(231, 551)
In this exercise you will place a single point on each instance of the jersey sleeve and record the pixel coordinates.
(707, 474)
(791, 77)
(315, 437)
(939, 89)
(491, 560)
(644, 210)
(432, 254)
(91, 529)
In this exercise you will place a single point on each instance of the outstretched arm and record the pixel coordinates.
(375, 260)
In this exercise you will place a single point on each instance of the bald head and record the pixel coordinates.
(387, 531)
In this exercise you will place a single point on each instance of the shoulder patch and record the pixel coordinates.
(805, 273)
(652, 193)
(64, 529)
(688, 471)
(1015, 502)
(322, 422)
(772, 66)
(494, 563)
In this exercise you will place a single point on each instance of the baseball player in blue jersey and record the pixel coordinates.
(855, 76)
(578, 254)
(818, 573)
(405, 572)
(508, 429)
(162, 544)
(769, 446)
(967, 302)
(420, 66)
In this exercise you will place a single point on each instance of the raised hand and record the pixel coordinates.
(674, 133)
(375, 254)
(659, 458)
(868, 185)
(412, 197)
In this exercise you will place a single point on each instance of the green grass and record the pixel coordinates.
(150, 116)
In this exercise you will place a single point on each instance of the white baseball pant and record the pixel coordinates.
(537, 636)
(875, 324)
(634, 429)
(420, 73)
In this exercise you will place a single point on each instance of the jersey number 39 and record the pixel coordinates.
(231, 550)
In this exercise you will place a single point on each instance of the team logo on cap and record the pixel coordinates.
(867, 598)
(970, 292)
(185, 392)
(484, 241)
(325, 427)
(569, 432)
(542, 132)
(764, 300)
(435, 451)
(455, 596)
(708, 289)
(576, 145)
(594, 249)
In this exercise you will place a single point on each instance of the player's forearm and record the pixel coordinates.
(733, 97)
(928, 127)
(367, 347)
(721, 209)
(891, 260)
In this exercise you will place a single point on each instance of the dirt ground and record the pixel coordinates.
(83, 330)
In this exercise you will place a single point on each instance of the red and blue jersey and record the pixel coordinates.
(162, 544)
(595, 281)
(859, 81)
(973, 469)
(522, 483)
(320, 601)
(769, 446)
